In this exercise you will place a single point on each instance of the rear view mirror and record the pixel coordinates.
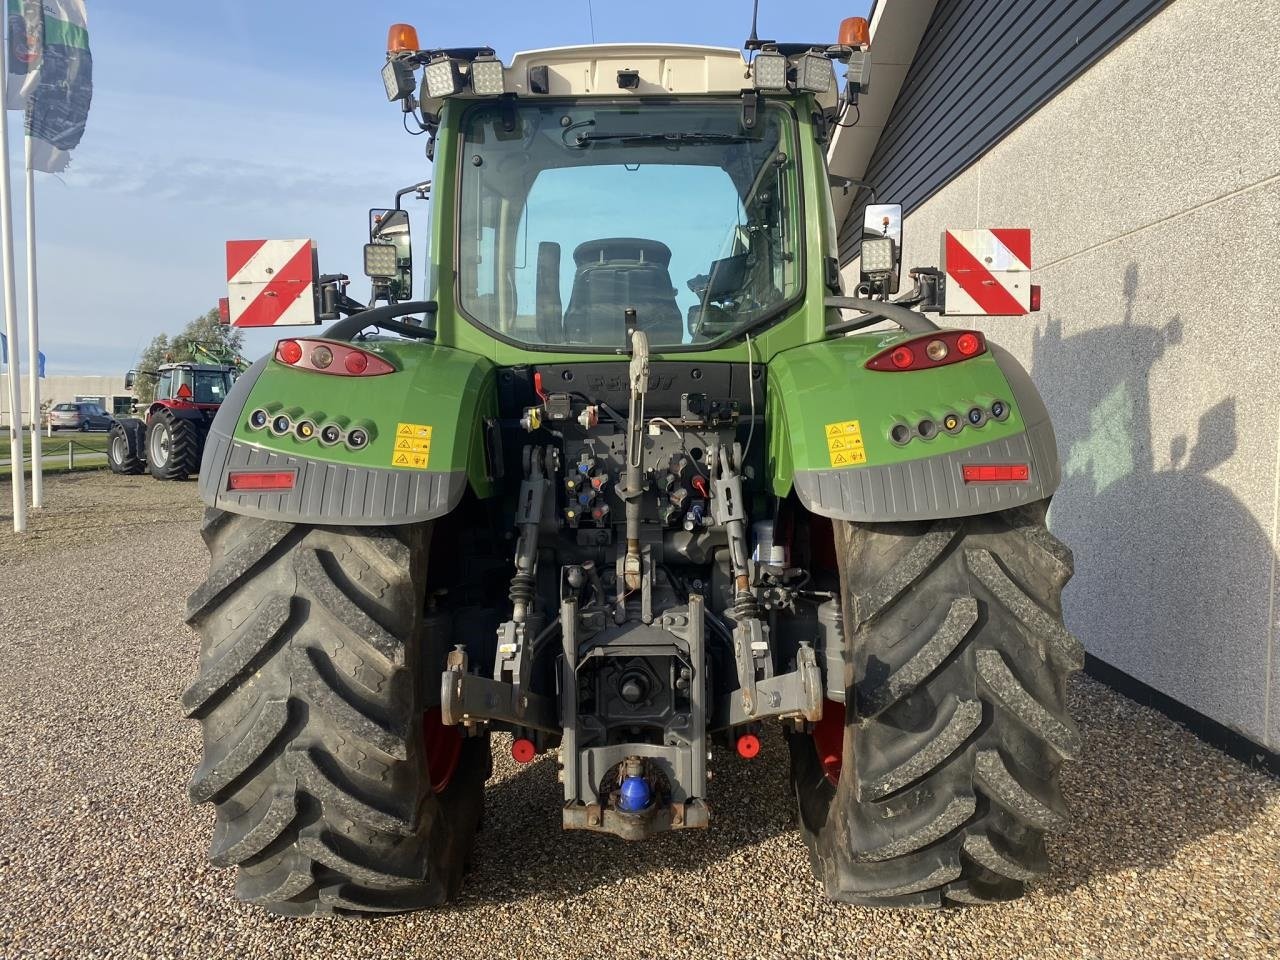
(388, 257)
(130, 379)
(881, 259)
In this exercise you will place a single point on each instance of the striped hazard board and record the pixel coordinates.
(271, 283)
(988, 271)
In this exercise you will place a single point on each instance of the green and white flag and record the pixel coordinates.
(50, 76)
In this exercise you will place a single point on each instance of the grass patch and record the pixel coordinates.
(57, 444)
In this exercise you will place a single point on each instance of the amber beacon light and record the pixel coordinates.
(402, 38)
(855, 32)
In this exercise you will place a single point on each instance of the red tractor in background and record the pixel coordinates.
(170, 439)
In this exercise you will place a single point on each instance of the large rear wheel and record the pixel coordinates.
(938, 781)
(336, 788)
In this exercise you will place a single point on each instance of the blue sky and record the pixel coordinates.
(236, 119)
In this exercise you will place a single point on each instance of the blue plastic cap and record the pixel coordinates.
(634, 794)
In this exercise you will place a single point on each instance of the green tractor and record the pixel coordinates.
(631, 523)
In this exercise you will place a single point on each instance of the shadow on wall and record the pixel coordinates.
(1172, 570)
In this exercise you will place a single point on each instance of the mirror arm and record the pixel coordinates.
(876, 311)
(421, 188)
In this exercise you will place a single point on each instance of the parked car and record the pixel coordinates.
(80, 416)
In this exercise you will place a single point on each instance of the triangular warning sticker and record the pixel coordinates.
(402, 460)
(404, 430)
(833, 430)
(404, 444)
(839, 459)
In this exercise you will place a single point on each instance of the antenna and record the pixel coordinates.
(754, 42)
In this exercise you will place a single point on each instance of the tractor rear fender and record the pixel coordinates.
(427, 424)
(831, 432)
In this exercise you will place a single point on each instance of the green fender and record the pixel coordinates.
(830, 437)
(427, 423)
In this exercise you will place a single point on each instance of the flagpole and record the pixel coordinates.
(33, 334)
(16, 474)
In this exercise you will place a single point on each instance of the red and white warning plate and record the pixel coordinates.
(988, 271)
(271, 283)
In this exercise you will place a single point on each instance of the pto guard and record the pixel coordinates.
(833, 443)
(437, 392)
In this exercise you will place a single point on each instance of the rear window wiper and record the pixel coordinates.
(674, 139)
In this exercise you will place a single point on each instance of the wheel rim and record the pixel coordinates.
(160, 445)
(443, 748)
(828, 739)
(117, 449)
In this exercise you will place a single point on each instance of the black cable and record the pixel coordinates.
(857, 115)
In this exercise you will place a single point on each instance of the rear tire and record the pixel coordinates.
(124, 446)
(316, 674)
(955, 722)
(173, 446)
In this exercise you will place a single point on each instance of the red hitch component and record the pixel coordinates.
(443, 748)
(522, 750)
(828, 739)
(996, 472)
(261, 480)
(748, 746)
(331, 357)
(929, 351)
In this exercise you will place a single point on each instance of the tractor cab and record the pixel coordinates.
(201, 384)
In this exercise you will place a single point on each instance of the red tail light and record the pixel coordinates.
(1035, 297)
(329, 356)
(996, 472)
(261, 480)
(933, 350)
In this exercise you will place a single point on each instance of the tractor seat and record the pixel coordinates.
(614, 274)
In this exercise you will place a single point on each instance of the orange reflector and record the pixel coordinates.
(855, 32)
(996, 472)
(184, 392)
(402, 38)
(260, 480)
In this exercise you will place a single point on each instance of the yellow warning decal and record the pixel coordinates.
(844, 443)
(412, 446)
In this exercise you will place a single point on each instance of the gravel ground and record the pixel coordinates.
(1174, 851)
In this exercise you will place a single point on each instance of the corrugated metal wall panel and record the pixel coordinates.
(982, 68)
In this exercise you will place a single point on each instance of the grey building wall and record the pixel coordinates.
(982, 67)
(62, 388)
(1152, 186)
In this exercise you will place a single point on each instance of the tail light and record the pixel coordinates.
(995, 472)
(328, 356)
(935, 350)
(250, 480)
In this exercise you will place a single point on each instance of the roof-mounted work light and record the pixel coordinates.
(487, 78)
(814, 72)
(397, 77)
(769, 70)
(442, 78)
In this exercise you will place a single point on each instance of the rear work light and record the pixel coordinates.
(932, 350)
(995, 472)
(245, 480)
(331, 357)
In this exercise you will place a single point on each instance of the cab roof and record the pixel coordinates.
(663, 68)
